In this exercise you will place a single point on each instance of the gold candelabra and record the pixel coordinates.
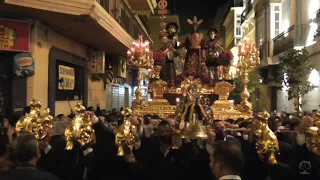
(139, 56)
(248, 56)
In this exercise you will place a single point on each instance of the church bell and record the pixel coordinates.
(194, 128)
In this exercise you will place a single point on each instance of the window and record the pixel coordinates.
(237, 41)
(238, 25)
(238, 31)
(276, 20)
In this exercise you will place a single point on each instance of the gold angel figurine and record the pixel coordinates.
(313, 135)
(267, 144)
(34, 122)
(124, 136)
(81, 129)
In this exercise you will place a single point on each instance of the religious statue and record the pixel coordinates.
(192, 112)
(124, 136)
(194, 43)
(213, 49)
(170, 47)
(81, 129)
(267, 145)
(34, 122)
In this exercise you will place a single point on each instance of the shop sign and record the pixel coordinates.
(97, 62)
(66, 78)
(24, 65)
(110, 79)
(14, 35)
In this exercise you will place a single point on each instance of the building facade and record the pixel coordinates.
(282, 25)
(67, 52)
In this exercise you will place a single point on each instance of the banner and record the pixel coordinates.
(66, 78)
(14, 35)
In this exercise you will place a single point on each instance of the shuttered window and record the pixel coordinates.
(120, 97)
(115, 97)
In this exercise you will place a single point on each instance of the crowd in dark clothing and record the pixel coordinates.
(154, 157)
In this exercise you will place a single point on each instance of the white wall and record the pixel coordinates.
(286, 14)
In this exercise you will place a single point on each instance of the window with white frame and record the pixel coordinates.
(237, 41)
(276, 20)
(238, 25)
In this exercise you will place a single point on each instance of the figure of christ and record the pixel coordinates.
(194, 43)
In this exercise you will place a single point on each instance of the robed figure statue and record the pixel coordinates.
(170, 47)
(213, 49)
(194, 43)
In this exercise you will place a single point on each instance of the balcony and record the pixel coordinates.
(125, 17)
(294, 36)
(246, 12)
(90, 22)
(143, 7)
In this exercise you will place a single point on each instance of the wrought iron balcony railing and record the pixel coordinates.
(294, 36)
(246, 12)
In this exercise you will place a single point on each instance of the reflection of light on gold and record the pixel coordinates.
(235, 51)
(233, 69)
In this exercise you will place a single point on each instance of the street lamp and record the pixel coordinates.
(139, 56)
(248, 59)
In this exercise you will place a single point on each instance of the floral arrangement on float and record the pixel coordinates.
(159, 57)
(225, 58)
(181, 77)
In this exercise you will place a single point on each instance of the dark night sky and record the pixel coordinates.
(203, 9)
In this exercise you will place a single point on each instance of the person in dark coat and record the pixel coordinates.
(26, 153)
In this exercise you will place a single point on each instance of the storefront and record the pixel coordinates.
(117, 91)
(68, 80)
(16, 65)
(60, 79)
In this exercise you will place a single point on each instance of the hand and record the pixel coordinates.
(211, 136)
(43, 143)
(129, 157)
(134, 121)
(135, 134)
(10, 131)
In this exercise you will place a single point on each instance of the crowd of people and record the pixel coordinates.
(227, 154)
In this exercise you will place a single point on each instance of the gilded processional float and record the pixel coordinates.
(195, 70)
(207, 62)
(205, 69)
